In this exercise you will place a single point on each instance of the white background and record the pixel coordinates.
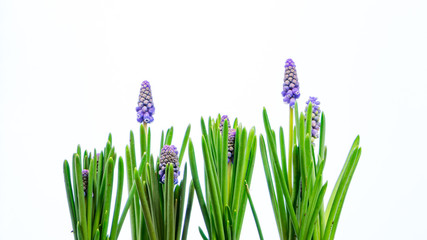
(70, 73)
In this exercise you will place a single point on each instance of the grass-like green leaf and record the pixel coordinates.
(188, 211)
(113, 233)
(194, 174)
(70, 197)
(145, 207)
(254, 213)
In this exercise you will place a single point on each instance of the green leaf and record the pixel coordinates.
(282, 180)
(184, 144)
(340, 194)
(169, 136)
(92, 174)
(107, 197)
(343, 195)
(130, 178)
(129, 202)
(331, 198)
(145, 207)
(180, 213)
(169, 204)
(70, 198)
(188, 211)
(80, 196)
(254, 213)
(113, 233)
(213, 187)
(202, 234)
(270, 185)
(194, 174)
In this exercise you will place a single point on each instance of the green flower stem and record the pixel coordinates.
(291, 138)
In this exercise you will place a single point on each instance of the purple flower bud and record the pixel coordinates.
(221, 124)
(85, 177)
(145, 108)
(315, 117)
(169, 154)
(291, 86)
(231, 141)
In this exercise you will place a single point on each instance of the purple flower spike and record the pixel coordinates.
(145, 108)
(315, 117)
(221, 124)
(231, 141)
(290, 91)
(169, 154)
(85, 177)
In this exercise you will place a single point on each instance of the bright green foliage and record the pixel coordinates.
(90, 212)
(224, 203)
(156, 209)
(297, 203)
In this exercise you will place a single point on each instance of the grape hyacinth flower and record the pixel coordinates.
(221, 124)
(290, 86)
(231, 137)
(85, 177)
(315, 117)
(169, 154)
(145, 108)
(231, 141)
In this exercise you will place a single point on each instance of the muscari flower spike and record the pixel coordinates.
(221, 124)
(231, 137)
(169, 154)
(231, 141)
(145, 108)
(315, 117)
(85, 177)
(290, 91)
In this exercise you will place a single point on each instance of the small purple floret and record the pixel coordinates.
(221, 124)
(290, 91)
(145, 108)
(231, 141)
(169, 154)
(315, 117)
(85, 177)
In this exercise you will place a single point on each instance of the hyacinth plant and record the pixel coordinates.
(229, 157)
(156, 197)
(89, 193)
(295, 182)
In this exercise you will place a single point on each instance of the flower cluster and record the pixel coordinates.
(169, 154)
(231, 141)
(315, 117)
(290, 86)
(85, 177)
(231, 137)
(221, 124)
(145, 108)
